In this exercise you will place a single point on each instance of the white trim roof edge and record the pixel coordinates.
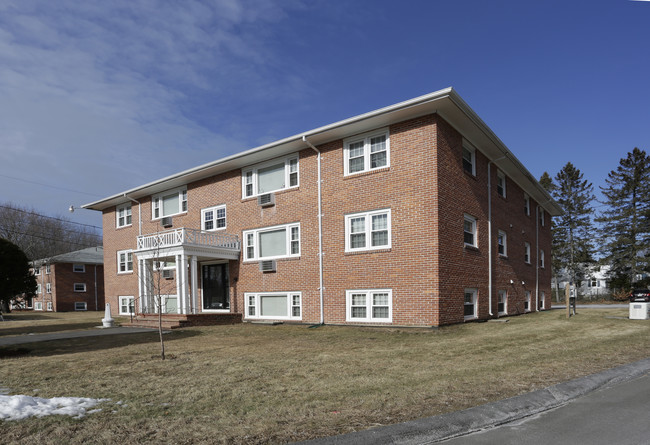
(449, 93)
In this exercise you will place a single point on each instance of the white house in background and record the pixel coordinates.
(593, 285)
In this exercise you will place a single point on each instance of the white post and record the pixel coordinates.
(107, 321)
(194, 284)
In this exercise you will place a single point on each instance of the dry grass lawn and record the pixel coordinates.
(275, 384)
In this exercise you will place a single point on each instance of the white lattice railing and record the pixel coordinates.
(187, 237)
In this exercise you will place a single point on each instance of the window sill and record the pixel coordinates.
(123, 227)
(276, 192)
(470, 248)
(360, 252)
(503, 257)
(284, 258)
(365, 173)
(470, 174)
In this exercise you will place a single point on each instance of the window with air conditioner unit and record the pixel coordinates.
(169, 203)
(270, 243)
(271, 176)
(80, 287)
(80, 306)
(268, 266)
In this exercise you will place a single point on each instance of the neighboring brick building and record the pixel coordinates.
(72, 281)
(410, 234)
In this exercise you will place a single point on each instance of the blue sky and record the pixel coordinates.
(97, 97)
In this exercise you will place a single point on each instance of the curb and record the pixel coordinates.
(446, 426)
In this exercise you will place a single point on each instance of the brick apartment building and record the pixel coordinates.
(72, 281)
(413, 215)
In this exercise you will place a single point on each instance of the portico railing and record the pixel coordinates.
(188, 237)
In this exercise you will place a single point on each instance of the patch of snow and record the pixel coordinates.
(21, 407)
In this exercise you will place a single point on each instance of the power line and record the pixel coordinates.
(50, 186)
(53, 240)
(48, 217)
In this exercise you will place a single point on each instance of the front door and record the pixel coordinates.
(215, 287)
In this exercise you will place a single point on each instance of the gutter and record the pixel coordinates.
(320, 229)
(489, 190)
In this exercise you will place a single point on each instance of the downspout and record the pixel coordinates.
(537, 258)
(96, 307)
(320, 230)
(489, 190)
(139, 213)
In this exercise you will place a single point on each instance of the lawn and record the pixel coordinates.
(274, 384)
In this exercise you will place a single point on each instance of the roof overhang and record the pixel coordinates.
(447, 103)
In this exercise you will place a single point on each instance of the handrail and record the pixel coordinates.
(186, 236)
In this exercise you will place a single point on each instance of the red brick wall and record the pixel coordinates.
(463, 267)
(427, 266)
(63, 296)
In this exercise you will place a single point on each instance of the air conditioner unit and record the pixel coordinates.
(168, 274)
(166, 221)
(268, 266)
(266, 200)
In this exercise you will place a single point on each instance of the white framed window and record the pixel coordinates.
(502, 240)
(501, 183)
(542, 303)
(127, 305)
(471, 304)
(366, 152)
(169, 203)
(368, 231)
(369, 305)
(48, 288)
(80, 287)
(79, 268)
(48, 269)
(272, 242)
(124, 261)
(527, 301)
(37, 271)
(213, 218)
(527, 252)
(526, 204)
(469, 230)
(271, 176)
(274, 305)
(502, 303)
(123, 215)
(39, 289)
(80, 306)
(542, 261)
(38, 305)
(49, 306)
(542, 219)
(469, 158)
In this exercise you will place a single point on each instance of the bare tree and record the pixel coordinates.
(41, 236)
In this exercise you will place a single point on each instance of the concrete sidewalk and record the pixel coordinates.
(31, 338)
(435, 429)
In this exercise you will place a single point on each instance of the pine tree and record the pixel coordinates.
(626, 221)
(574, 229)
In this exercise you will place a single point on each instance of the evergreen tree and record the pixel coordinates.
(626, 221)
(574, 229)
(15, 276)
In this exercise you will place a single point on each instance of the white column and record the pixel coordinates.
(179, 285)
(185, 296)
(194, 285)
(140, 272)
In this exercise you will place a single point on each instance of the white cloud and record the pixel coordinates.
(103, 96)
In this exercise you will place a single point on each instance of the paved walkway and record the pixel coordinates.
(31, 338)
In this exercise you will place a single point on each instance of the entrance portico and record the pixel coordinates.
(186, 249)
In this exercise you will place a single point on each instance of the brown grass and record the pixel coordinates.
(274, 384)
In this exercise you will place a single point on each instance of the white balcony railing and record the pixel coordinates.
(188, 237)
